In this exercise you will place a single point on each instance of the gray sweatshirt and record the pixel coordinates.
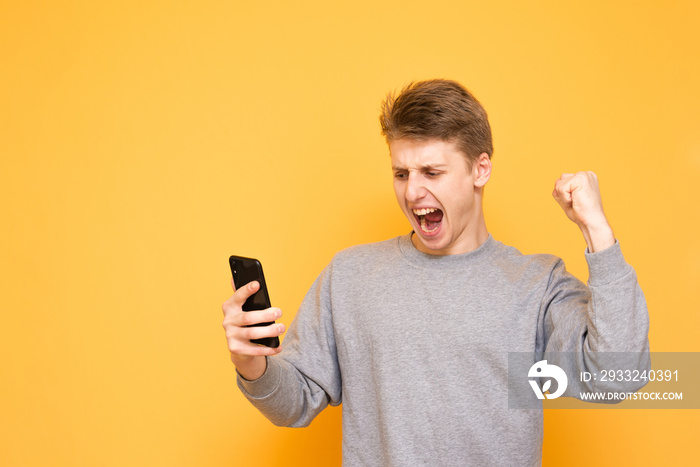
(415, 346)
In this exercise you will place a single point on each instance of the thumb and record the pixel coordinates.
(562, 195)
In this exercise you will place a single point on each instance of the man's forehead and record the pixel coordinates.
(423, 154)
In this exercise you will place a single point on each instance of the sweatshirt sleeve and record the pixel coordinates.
(305, 377)
(601, 326)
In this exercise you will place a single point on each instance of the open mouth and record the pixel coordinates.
(429, 219)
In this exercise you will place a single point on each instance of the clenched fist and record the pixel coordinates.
(579, 196)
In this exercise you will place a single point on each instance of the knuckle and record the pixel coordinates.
(228, 322)
(229, 306)
(246, 319)
(250, 333)
(234, 346)
(258, 351)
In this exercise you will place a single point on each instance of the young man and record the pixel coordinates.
(412, 334)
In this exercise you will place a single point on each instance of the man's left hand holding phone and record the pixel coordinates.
(243, 326)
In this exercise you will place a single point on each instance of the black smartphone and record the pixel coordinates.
(247, 270)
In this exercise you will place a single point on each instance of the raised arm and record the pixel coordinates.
(605, 322)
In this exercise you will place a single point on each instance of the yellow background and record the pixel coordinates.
(142, 143)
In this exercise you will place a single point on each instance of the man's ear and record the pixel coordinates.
(482, 170)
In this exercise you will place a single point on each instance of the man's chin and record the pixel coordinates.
(429, 242)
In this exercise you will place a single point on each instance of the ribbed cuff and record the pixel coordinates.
(607, 266)
(263, 386)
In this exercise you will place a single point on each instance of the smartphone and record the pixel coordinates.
(246, 270)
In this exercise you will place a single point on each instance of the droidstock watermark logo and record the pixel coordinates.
(542, 369)
(604, 380)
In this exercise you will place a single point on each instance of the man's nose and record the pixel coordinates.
(415, 189)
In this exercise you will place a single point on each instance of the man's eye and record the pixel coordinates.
(432, 174)
(399, 176)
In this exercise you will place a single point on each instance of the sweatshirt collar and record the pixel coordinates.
(413, 255)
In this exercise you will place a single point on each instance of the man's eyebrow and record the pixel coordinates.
(422, 168)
